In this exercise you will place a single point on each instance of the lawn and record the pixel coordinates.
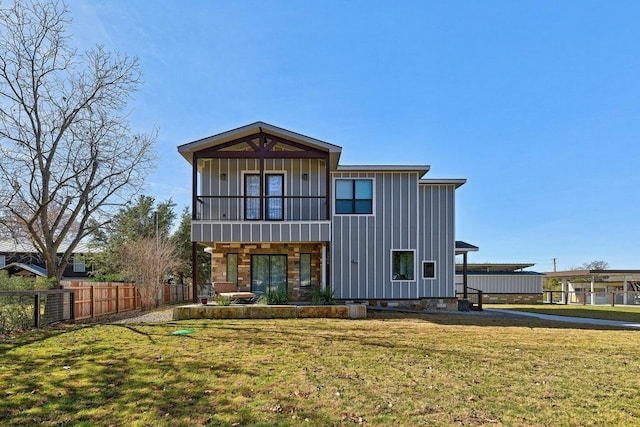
(390, 369)
(625, 314)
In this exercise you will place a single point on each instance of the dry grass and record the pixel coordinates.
(391, 369)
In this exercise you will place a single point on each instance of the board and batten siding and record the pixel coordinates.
(295, 184)
(437, 227)
(361, 244)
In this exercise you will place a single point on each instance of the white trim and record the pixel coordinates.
(414, 280)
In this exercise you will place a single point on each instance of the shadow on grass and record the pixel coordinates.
(486, 319)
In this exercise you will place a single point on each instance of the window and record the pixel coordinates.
(428, 269)
(305, 269)
(402, 265)
(3, 260)
(273, 197)
(78, 264)
(354, 196)
(232, 268)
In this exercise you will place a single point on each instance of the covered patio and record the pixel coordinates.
(595, 287)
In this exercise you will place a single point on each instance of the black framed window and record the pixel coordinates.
(305, 269)
(402, 265)
(354, 196)
(232, 268)
(428, 269)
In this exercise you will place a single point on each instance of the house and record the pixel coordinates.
(611, 286)
(502, 283)
(277, 210)
(23, 259)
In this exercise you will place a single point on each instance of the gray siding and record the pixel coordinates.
(361, 244)
(406, 216)
(503, 283)
(438, 239)
(281, 232)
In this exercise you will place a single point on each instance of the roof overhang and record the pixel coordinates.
(497, 267)
(454, 181)
(187, 150)
(14, 267)
(420, 169)
(589, 273)
(464, 247)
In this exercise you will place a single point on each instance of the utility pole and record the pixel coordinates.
(554, 264)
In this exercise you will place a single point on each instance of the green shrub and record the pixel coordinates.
(274, 297)
(322, 296)
(220, 300)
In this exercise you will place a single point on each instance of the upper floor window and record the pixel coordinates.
(354, 196)
(79, 264)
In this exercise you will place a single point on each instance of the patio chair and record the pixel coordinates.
(230, 290)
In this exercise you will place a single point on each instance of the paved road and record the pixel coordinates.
(583, 320)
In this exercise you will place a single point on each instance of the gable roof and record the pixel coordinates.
(187, 150)
(31, 268)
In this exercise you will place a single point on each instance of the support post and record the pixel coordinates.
(465, 292)
(625, 288)
(323, 268)
(593, 294)
(194, 272)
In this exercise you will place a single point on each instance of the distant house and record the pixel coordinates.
(502, 282)
(278, 211)
(23, 259)
(599, 286)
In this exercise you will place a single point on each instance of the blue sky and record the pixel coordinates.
(536, 103)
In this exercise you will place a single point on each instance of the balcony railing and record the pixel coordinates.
(262, 208)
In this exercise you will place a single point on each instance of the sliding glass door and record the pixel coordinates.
(268, 273)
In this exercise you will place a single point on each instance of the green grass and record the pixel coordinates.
(390, 369)
(625, 314)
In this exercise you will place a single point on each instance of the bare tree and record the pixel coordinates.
(68, 156)
(595, 265)
(147, 262)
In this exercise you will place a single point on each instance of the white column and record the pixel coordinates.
(323, 268)
(625, 289)
(564, 290)
(593, 296)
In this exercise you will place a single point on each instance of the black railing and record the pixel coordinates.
(474, 296)
(262, 208)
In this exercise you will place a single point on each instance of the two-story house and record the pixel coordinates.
(276, 209)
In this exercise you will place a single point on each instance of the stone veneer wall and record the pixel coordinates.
(511, 298)
(429, 304)
(245, 250)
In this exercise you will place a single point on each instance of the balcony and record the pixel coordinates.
(278, 219)
(262, 208)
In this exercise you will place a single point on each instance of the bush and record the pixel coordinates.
(322, 296)
(220, 300)
(274, 297)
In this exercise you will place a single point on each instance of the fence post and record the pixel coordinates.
(36, 310)
(72, 305)
(613, 299)
(92, 301)
(566, 297)
(480, 300)
(117, 299)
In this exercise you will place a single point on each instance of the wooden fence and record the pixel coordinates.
(95, 299)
